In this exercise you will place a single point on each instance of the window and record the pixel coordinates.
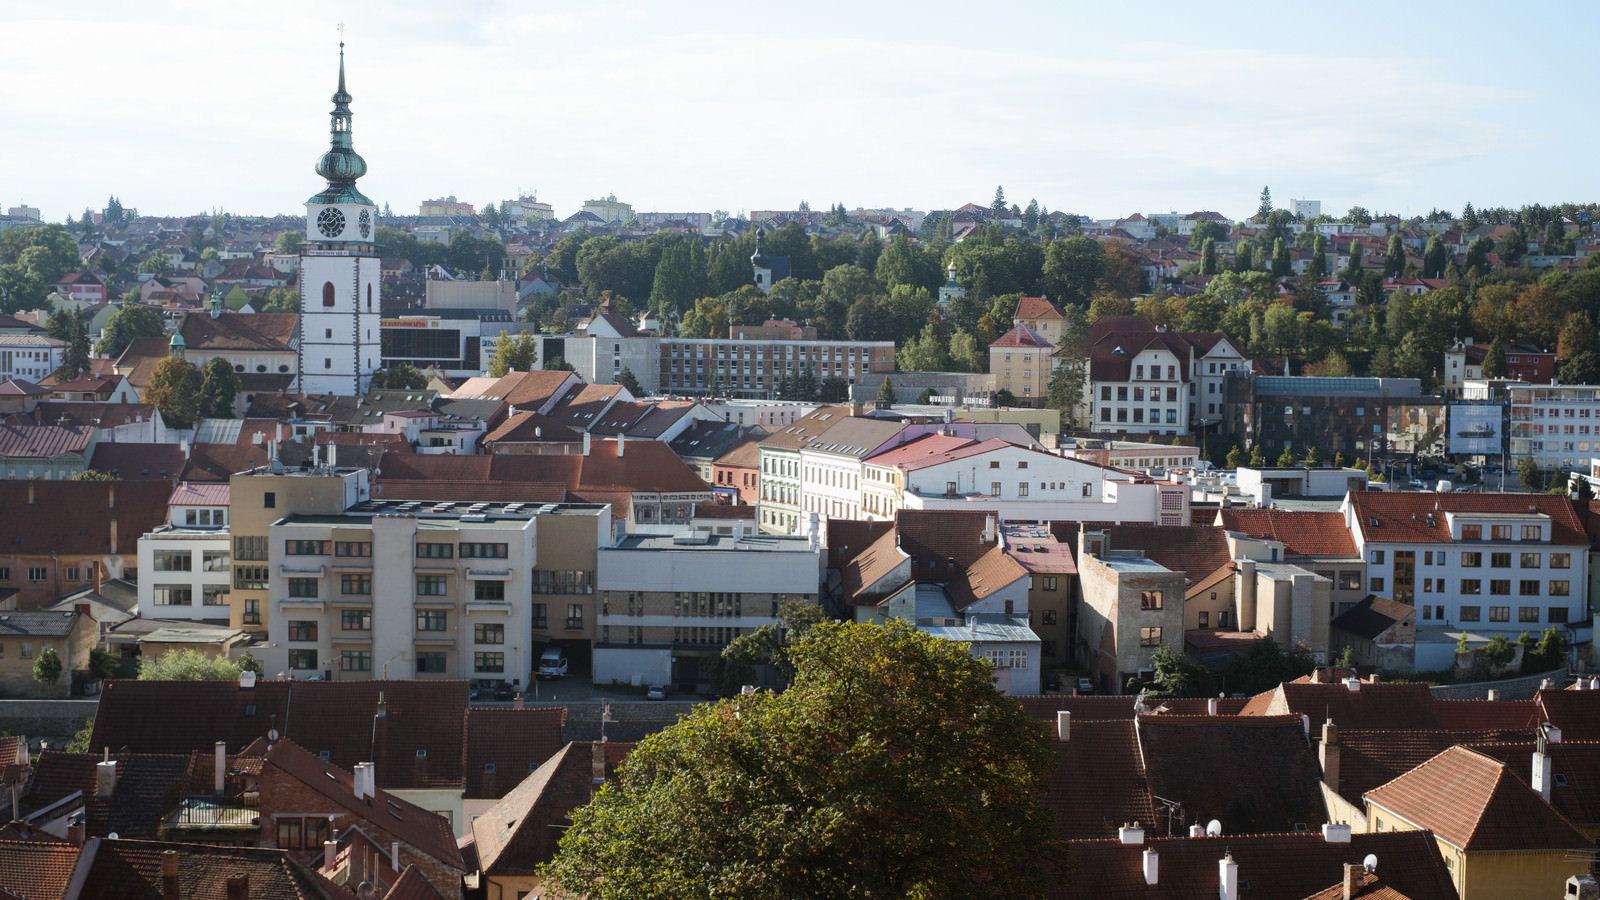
(1528, 587)
(1349, 581)
(1472, 532)
(1471, 586)
(489, 590)
(488, 634)
(1377, 557)
(174, 595)
(1531, 532)
(1150, 600)
(433, 620)
(539, 620)
(269, 499)
(1377, 585)
(289, 829)
(1048, 617)
(214, 595)
(431, 661)
(483, 551)
(1500, 587)
(173, 561)
(1531, 560)
(1560, 588)
(994, 488)
(1499, 560)
(250, 578)
(1527, 614)
(304, 630)
(436, 551)
(1500, 532)
(355, 620)
(5, 573)
(302, 659)
(1149, 637)
(1470, 613)
(1050, 583)
(355, 661)
(563, 581)
(353, 548)
(305, 548)
(574, 616)
(431, 585)
(251, 548)
(1499, 613)
(489, 662)
(1472, 560)
(1022, 489)
(1558, 615)
(303, 587)
(355, 585)
(215, 560)
(327, 295)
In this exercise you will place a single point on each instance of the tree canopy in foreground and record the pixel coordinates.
(892, 768)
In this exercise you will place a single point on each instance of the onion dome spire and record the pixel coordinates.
(341, 165)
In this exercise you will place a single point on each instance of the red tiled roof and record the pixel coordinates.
(1473, 802)
(1023, 337)
(239, 331)
(1195, 550)
(1576, 713)
(1402, 516)
(1372, 616)
(805, 429)
(991, 572)
(1195, 761)
(518, 833)
(1487, 715)
(1101, 707)
(504, 745)
(1303, 533)
(1098, 783)
(38, 870)
(43, 441)
(139, 462)
(131, 870)
(78, 518)
(1371, 758)
(1029, 308)
(1374, 706)
(532, 426)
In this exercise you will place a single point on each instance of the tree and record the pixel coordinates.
(47, 666)
(69, 326)
(924, 354)
(1313, 458)
(557, 364)
(124, 326)
(630, 382)
(288, 242)
(1358, 216)
(1071, 266)
(1580, 368)
(400, 377)
(1281, 265)
(1208, 257)
(248, 663)
(1434, 259)
(1030, 215)
(174, 388)
(998, 206)
(1244, 257)
(886, 395)
(188, 665)
(80, 738)
(1004, 399)
(1258, 457)
(219, 385)
(1286, 458)
(1529, 473)
(892, 768)
(1494, 360)
(512, 354)
(1394, 259)
(94, 475)
(1265, 208)
(1352, 272)
(1478, 255)
(1236, 457)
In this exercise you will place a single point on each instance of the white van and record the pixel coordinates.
(553, 663)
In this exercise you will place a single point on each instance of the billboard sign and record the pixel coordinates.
(1476, 429)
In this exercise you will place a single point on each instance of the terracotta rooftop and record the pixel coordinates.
(1302, 532)
(1036, 549)
(1195, 550)
(139, 462)
(1368, 759)
(521, 830)
(1473, 802)
(1391, 707)
(1195, 760)
(1403, 516)
(1103, 707)
(1022, 337)
(1270, 866)
(1031, 308)
(1098, 783)
(504, 745)
(43, 441)
(131, 870)
(1487, 715)
(1576, 713)
(37, 870)
(239, 331)
(1372, 616)
(79, 518)
(991, 572)
(532, 426)
(805, 429)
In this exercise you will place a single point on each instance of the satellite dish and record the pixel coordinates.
(112, 835)
(272, 734)
(1213, 828)
(1370, 863)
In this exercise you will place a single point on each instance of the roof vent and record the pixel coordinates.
(1131, 834)
(1352, 684)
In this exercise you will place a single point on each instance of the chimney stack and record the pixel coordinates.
(219, 781)
(330, 855)
(622, 444)
(105, 778)
(1131, 835)
(1212, 706)
(30, 491)
(247, 680)
(1336, 834)
(1063, 725)
(363, 780)
(586, 443)
(1329, 753)
(1197, 831)
(1494, 694)
(1352, 880)
(169, 875)
(238, 887)
(1228, 878)
(394, 855)
(75, 830)
(1542, 766)
(1151, 866)
(597, 762)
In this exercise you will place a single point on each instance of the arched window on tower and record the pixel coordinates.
(369, 296)
(327, 293)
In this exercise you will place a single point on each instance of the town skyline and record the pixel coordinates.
(1180, 111)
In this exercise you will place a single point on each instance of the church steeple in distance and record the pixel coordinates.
(341, 165)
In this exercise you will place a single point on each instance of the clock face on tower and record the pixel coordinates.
(330, 222)
(364, 223)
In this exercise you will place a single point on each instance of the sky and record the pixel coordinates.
(1098, 108)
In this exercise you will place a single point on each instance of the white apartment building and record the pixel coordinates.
(1483, 563)
(1557, 425)
(667, 601)
(779, 457)
(186, 565)
(29, 357)
(939, 471)
(1157, 382)
(831, 465)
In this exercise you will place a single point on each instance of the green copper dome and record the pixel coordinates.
(341, 165)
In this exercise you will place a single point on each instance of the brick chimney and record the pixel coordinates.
(1352, 880)
(238, 886)
(1063, 725)
(1329, 754)
(169, 875)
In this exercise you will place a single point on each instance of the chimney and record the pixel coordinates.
(113, 535)
(105, 778)
(1494, 694)
(394, 855)
(1131, 835)
(516, 702)
(1336, 834)
(1151, 866)
(1374, 678)
(1227, 878)
(989, 528)
(1329, 753)
(219, 781)
(362, 780)
(1063, 725)
(75, 830)
(169, 875)
(1212, 706)
(183, 445)
(1353, 685)
(99, 575)
(1197, 831)
(1352, 880)
(30, 491)
(247, 680)
(622, 444)
(1542, 764)
(330, 854)
(111, 497)
(597, 762)
(586, 443)
(238, 887)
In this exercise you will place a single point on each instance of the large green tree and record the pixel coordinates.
(219, 385)
(69, 326)
(1071, 266)
(124, 326)
(174, 388)
(892, 768)
(512, 354)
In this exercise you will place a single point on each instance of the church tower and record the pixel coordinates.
(339, 271)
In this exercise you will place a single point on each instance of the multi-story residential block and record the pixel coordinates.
(948, 471)
(1052, 588)
(752, 368)
(1463, 362)
(60, 536)
(187, 563)
(1558, 426)
(29, 357)
(831, 465)
(1476, 563)
(1020, 361)
(666, 602)
(1145, 380)
(780, 468)
(608, 344)
(1362, 418)
(1131, 606)
(446, 206)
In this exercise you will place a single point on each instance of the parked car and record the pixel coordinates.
(656, 692)
(1052, 681)
(503, 691)
(1085, 686)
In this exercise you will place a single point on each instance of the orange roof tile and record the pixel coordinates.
(1303, 533)
(1374, 706)
(1098, 783)
(504, 745)
(1403, 516)
(38, 870)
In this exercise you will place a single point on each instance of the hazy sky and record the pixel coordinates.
(1100, 108)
